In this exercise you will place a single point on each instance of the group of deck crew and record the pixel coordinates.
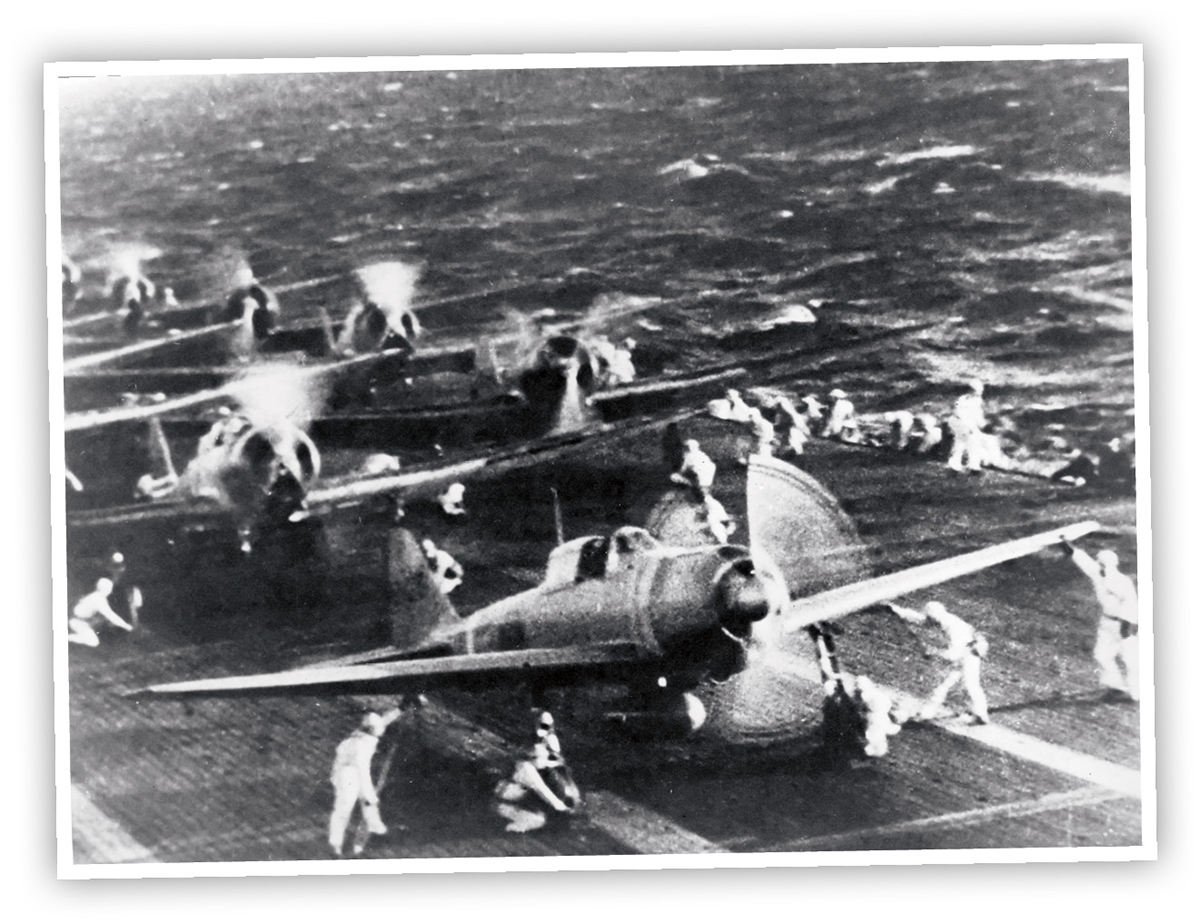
(856, 701)
(858, 709)
(964, 439)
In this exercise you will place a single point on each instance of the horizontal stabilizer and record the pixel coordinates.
(854, 597)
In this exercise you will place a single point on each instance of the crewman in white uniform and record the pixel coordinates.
(697, 470)
(763, 431)
(620, 364)
(1117, 632)
(451, 500)
(964, 651)
(966, 427)
(871, 705)
(93, 606)
(719, 522)
(794, 426)
(447, 572)
(539, 780)
(351, 778)
(841, 423)
(731, 407)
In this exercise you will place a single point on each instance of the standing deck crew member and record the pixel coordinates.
(447, 572)
(95, 605)
(966, 427)
(763, 431)
(1117, 632)
(964, 651)
(841, 423)
(620, 364)
(351, 778)
(794, 428)
(719, 522)
(696, 471)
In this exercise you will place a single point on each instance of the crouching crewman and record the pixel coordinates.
(540, 780)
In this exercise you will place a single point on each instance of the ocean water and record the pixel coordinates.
(988, 202)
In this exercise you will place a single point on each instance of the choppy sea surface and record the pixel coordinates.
(989, 202)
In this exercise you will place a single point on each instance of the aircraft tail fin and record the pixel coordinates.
(416, 605)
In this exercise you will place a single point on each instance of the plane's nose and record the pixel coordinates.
(745, 595)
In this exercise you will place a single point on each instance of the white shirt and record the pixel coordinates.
(354, 756)
(968, 410)
(701, 466)
(1115, 591)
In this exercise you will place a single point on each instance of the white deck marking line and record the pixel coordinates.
(102, 835)
(1090, 769)
(1057, 801)
(642, 829)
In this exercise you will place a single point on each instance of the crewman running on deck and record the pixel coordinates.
(1117, 632)
(447, 572)
(352, 782)
(965, 650)
(697, 470)
(92, 607)
(966, 428)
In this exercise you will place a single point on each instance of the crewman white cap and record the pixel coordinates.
(837, 393)
(104, 586)
(117, 558)
(1107, 558)
(692, 444)
(545, 721)
(935, 608)
(976, 384)
(372, 723)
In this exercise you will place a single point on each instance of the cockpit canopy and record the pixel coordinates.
(596, 556)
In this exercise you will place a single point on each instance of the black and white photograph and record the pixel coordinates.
(600, 461)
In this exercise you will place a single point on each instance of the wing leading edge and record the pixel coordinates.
(406, 675)
(854, 597)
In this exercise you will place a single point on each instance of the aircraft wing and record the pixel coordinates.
(107, 357)
(409, 675)
(400, 486)
(854, 597)
(251, 377)
(423, 482)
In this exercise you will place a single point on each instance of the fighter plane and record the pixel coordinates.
(671, 622)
